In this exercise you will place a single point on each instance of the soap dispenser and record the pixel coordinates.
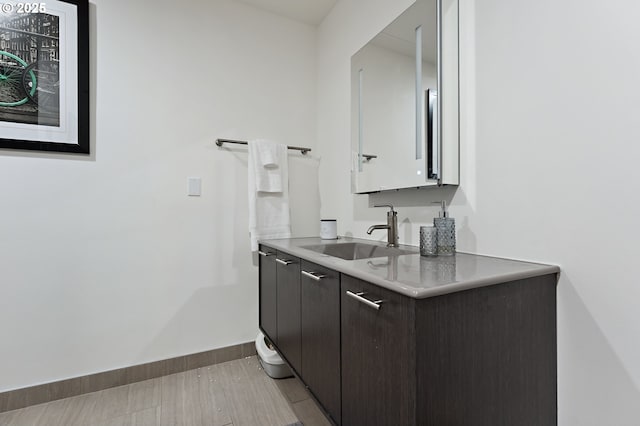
(446, 230)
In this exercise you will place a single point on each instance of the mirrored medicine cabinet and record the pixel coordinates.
(404, 102)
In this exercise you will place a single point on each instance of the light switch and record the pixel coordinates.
(194, 186)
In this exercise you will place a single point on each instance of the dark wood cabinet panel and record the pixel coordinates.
(268, 293)
(488, 355)
(378, 363)
(288, 308)
(321, 335)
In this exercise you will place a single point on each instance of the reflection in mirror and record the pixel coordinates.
(394, 80)
(431, 100)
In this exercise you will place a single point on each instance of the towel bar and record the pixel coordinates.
(220, 142)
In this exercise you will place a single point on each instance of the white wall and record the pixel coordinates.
(105, 261)
(550, 106)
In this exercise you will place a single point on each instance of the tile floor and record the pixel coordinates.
(233, 393)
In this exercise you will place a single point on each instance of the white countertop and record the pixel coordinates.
(414, 275)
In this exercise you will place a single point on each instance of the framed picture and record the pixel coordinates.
(44, 76)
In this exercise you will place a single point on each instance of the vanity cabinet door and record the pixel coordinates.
(321, 335)
(288, 312)
(378, 387)
(267, 293)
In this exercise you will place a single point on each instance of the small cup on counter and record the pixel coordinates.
(329, 229)
(428, 240)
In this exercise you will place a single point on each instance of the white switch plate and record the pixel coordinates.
(194, 186)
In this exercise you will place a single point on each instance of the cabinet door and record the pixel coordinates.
(377, 355)
(288, 313)
(321, 335)
(267, 293)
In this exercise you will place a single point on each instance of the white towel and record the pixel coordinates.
(267, 164)
(268, 152)
(269, 216)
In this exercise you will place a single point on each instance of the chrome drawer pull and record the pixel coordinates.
(264, 253)
(284, 262)
(313, 275)
(358, 296)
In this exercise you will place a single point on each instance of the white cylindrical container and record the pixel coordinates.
(328, 229)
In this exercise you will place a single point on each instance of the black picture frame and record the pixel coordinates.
(71, 135)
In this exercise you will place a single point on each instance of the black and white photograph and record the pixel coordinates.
(30, 69)
(44, 76)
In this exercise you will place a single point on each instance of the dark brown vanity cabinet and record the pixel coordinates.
(300, 313)
(378, 363)
(487, 356)
(372, 356)
(268, 293)
(289, 336)
(321, 335)
(484, 356)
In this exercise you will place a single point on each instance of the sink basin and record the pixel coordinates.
(353, 251)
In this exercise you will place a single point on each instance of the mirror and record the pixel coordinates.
(403, 134)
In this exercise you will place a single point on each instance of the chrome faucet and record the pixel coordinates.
(391, 226)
